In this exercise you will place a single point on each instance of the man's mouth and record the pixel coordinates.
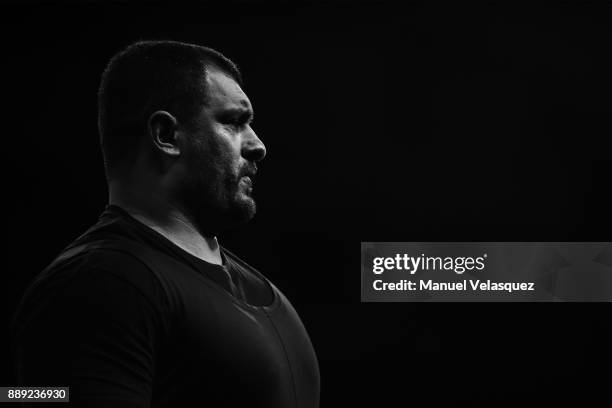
(246, 180)
(247, 176)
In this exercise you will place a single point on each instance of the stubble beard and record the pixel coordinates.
(216, 200)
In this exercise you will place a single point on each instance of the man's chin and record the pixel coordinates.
(244, 209)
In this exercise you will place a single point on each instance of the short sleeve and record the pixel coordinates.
(97, 332)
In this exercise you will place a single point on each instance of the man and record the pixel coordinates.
(146, 308)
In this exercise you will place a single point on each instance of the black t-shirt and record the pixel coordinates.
(125, 318)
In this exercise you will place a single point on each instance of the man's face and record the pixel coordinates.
(220, 156)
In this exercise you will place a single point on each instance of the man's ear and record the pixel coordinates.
(163, 130)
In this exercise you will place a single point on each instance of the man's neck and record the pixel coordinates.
(158, 214)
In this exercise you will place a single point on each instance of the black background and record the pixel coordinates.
(382, 123)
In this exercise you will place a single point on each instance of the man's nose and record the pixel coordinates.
(253, 148)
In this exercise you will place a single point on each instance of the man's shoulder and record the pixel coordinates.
(109, 260)
(104, 254)
(91, 286)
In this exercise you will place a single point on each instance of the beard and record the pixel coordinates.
(213, 193)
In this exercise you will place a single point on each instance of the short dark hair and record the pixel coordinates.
(147, 76)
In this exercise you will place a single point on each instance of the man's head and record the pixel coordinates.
(179, 110)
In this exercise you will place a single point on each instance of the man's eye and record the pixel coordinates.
(239, 124)
(230, 123)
